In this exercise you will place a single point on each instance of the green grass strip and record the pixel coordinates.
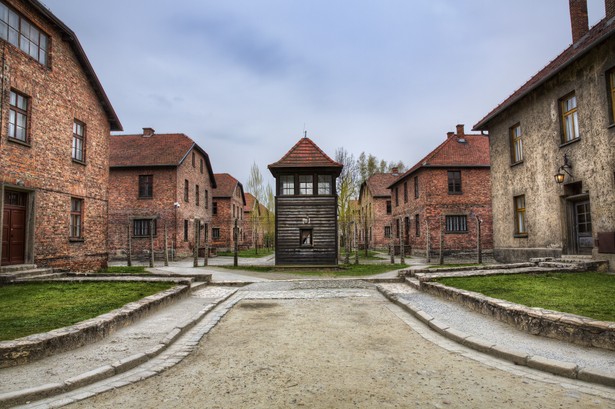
(138, 270)
(30, 308)
(250, 253)
(343, 270)
(585, 294)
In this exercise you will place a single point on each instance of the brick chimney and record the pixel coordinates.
(609, 6)
(450, 134)
(147, 132)
(395, 171)
(578, 19)
(460, 130)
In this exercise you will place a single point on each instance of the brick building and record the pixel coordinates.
(442, 194)
(255, 226)
(375, 214)
(560, 123)
(163, 178)
(228, 204)
(54, 144)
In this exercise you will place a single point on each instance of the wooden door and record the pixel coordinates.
(14, 228)
(583, 227)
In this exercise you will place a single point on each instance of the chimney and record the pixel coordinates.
(578, 19)
(395, 171)
(450, 135)
(460, 130)
(147, 132)
(609, 6)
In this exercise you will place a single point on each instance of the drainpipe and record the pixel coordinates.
(1, 216)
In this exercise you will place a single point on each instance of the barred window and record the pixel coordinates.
(387, 232)
(454, 182)
(146, 186)
(141, 227)
(215, 233)
(456, 224)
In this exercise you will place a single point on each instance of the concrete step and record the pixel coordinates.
(18, 267)
(21, 274)
(41, 277)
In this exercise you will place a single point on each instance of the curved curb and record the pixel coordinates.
(107, 371)
(565, 369)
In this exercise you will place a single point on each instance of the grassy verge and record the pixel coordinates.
(586, 294)
(371, 255)
(343, 270)
(31, 308)
(250, 253)
(138, 270)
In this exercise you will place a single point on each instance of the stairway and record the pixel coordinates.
(26, 272)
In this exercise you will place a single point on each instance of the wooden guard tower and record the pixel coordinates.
(306, 206)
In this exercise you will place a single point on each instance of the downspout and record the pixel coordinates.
(1, 116)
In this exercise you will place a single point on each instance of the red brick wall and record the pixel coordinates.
(434, 203)
(377, 218)
(225, 220)
(58, 94)
(125, 204)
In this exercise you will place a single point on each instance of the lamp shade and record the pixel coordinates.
(559, 177)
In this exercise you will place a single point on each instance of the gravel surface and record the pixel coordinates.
(492, 330)
(339, 351)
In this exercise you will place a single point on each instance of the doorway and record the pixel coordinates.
(14, 228)
(582, 235)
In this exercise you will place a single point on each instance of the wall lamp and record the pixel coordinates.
(559, 176)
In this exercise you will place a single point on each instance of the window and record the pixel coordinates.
(516, 144)
(520, 227)
(201, 165)
(193, 160)
(197, 197)
(416, 187)
(456, 224)
(206, 199)
(186, 230)
(570, 119)
(324, 185)
(306, 185)
(215, 233)
(454, 182)
(306, 237)
(146, 186)
(214, 208)
(141, 227)
(18, 116)
(417, 226)
(18, 31)
(186, 190)
(78, 141)
(405, 191)
(397, 228)
(396, 196)
(76, 218)
(389, 209)
(387, 232)
(287, 184)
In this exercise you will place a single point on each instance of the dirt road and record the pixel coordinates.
(332, 352)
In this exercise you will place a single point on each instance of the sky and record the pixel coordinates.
(245, 78)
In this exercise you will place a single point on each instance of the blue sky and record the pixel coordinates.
(244, 77)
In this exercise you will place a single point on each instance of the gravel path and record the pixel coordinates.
(321, 345)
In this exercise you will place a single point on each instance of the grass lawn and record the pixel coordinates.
(30, 308)
(343, 270)
(586, 294)
(248, 253)
(371, 255)
(138, 270)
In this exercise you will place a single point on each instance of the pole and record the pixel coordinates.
(151, 242)
(392, 246)
(236, 244)
(128, 256)
(441, 242)
(478, 242)
(166, 246)
(428, 259)
(206, 255)
(195, 248)
(402, 242)
(356, 245)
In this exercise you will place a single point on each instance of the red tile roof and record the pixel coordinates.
(468, 150)
(226, 185)
(379, 184)
(305, 154)
(600, 32)
(154, 150)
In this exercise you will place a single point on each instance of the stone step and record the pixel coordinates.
(23, 274)
(41, 277)
(18, 267)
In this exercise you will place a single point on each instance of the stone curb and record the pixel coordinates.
(565, 369)
(45, 391)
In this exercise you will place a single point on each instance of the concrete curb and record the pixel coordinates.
(565, 369)
(87, 378)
